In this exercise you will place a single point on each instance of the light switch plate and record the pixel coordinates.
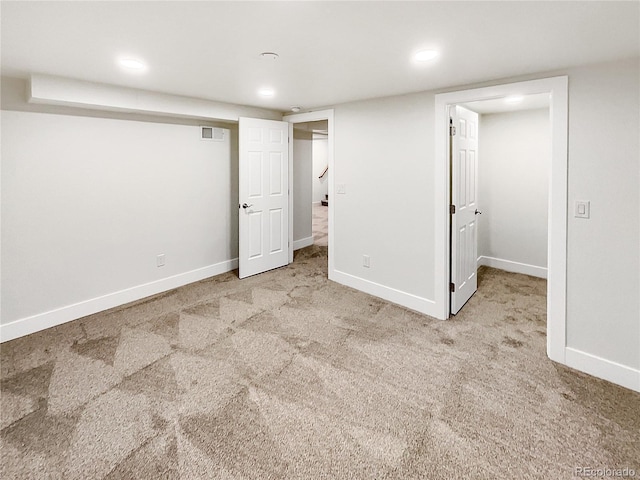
(583, 209)
(341, 188)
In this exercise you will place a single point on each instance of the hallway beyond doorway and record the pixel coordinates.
(320, 225)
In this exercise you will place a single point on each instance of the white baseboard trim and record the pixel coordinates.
(515, 267)
(408, 300)
(303, 242)
(316, 203)
(42, 321)
(606, 369)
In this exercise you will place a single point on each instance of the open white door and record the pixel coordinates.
(464, 188)
(263, 195)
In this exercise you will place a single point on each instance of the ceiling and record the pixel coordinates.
(329, 52)
(501, 105)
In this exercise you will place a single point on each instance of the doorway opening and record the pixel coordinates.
(310, 184)
(500, 192)
(557, 90)
(311, 181)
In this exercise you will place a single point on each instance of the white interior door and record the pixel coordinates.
(263, 195)
(464, 188)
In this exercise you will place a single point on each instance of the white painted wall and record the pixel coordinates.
(513, 188)
(320, 161)
(302, 189)
(603, 294)
(384, 155)
(88, 203)
(384, 158)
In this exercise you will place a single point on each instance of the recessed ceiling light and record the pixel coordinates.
(426, 55)
(266, 92)
(295, 109)
(514, 99)
(269, 55)
(132, 64)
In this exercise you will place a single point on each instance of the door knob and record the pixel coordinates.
(478, 212)
(245, 206)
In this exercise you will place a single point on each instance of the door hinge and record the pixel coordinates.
(452, 209)
(452, 287)
(452, 130)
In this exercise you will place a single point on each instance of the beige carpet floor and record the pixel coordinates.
(287, 375)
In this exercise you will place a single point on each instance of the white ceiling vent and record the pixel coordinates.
(212, 134)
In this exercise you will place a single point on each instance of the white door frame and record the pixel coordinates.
(304, 118)
(557, 87)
